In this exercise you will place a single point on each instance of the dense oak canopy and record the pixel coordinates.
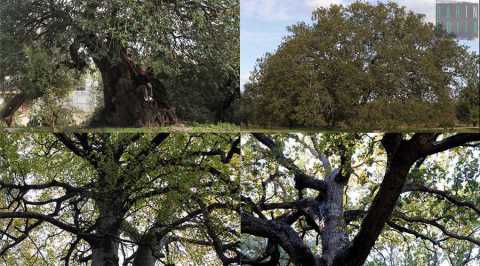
(357, 199)
(189, 49)
(364, 66)
(106, 199)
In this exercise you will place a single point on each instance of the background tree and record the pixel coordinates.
(338, 199)
(177, 42)
(121, 198)
(364, 66)
(468, 100)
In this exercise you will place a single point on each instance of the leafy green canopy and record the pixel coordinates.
(182, 41)
(182, 192)
(369, 66)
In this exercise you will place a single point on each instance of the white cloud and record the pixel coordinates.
(472, 44)
(282, 10)
(426, 7)
(322, 3)
(244, 78)
(267, 9)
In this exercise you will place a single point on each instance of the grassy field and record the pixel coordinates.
(399, 130)
(193, 128)
(232, 128)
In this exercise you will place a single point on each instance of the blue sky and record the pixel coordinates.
(263, 24)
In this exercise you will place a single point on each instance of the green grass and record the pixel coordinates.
(228, 129)
(364, 130)
(193, 128)
(232, 128)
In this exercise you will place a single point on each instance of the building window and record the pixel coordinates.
(475, 13)
(459, 12)
(458, 27)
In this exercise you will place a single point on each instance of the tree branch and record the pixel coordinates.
(457, 201)
(441, 227)
(449, 142)
(46, 218)
(154, 143)
(401, 155)
(302, 180)
(53, 183)
(281, 233)
(403, 229)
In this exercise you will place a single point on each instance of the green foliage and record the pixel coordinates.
(43, 76)
(191, 48)
(468, 102)
(34, 67)
(208, 90)
(33, 72)
(456, 171)
(362, 66)
(178, 163)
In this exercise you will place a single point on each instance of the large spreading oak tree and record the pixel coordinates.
(190, 50)
(365, 66)
(102, 199)
(330, 199)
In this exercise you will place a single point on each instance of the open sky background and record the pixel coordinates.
(263, 24)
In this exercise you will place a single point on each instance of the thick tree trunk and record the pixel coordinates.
(149, 248)
(105, 250)
(107, 232)
(105, 253)
(334, 237)
(125, 104)
(144, 256)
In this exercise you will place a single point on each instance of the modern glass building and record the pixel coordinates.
(458, 17)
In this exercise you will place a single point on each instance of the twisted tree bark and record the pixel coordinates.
(124, 102)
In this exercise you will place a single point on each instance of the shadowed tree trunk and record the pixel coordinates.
(401, 155)
(334, 236)
(144, 256)
(105, 248)
(149, 248)
(107, 233)
(124, 102)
